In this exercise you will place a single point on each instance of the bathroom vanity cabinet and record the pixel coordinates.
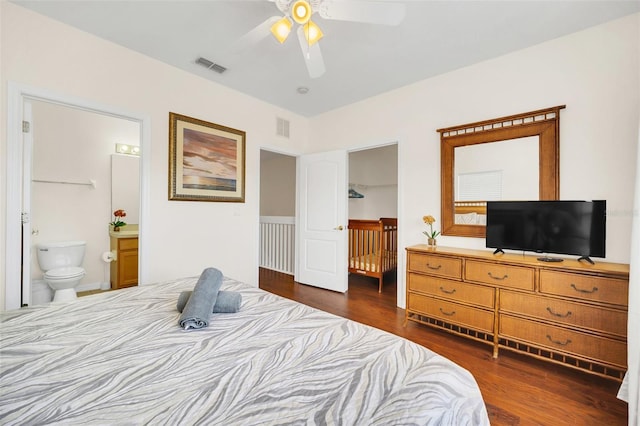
(124, 268)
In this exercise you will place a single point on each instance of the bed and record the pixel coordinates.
(373, 247)
(120, 358)
(470, 212)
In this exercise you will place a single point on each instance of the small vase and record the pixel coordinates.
(116, 229)
(431, 242)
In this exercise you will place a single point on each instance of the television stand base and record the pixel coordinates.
(587, 259)
(550, 259)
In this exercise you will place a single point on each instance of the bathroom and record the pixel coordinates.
(78, 180)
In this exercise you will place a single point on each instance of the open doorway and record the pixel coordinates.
(79, 176)
(277, 212)
(373, 173)
(373, 212)
(18, 224)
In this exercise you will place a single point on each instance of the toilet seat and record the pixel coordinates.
(64, 273)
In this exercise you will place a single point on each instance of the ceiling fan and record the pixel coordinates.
(300, 12)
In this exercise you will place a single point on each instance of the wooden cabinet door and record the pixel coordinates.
(128, 271)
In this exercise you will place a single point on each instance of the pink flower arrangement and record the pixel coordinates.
(117, 221)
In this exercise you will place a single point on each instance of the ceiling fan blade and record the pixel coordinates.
(257, 34)
(312, 55)
(363, 11)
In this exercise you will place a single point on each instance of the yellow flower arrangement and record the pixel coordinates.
(430, 220)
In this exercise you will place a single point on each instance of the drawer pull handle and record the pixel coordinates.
(435, 268)
(450, 314)
(498, 278)
(583, 291)
(557, 342)
(442, 289)
(568, 314)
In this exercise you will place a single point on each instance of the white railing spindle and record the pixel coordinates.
(277, 245)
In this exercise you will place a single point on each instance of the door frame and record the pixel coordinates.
(297, 156)
(16, 95)
(401, 270)
(27, 171)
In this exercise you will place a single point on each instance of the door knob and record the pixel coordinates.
(339, 228)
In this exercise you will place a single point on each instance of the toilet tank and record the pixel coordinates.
(60, 254)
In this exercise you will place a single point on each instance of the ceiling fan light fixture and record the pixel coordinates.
(301, 12)
(281, 29)
(312, 33)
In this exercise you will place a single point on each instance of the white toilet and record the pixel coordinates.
(61, 263)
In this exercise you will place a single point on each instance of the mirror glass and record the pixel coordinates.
(507, 158)
(503, 170)
(125, 186)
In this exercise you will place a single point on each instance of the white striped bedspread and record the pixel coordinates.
(120, 358)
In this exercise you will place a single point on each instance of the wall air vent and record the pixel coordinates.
(212, 66)
(282, 127)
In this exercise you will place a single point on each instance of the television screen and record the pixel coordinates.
(561, 227)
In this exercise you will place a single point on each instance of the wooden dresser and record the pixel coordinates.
(567, 312)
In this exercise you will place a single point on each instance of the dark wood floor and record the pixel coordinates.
(517, 390)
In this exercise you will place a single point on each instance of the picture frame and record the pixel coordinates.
(206, 161)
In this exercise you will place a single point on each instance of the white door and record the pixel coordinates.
(322, 220)
(27, 155)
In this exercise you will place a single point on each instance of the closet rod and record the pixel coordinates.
(91, 183)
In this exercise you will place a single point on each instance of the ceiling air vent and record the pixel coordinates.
(282, 127)
(208, 64)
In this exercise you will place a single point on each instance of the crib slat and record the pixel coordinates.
(373, 247)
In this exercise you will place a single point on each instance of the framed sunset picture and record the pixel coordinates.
(206, 161)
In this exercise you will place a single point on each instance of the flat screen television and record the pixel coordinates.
(555, 227)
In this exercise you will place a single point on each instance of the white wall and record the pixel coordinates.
(3, 154)
(520, 174)
(125, 186)
(594, 72)
(277, 185)
(44, 53)
(378, 201)
(374, 171)
(72, 145)
(374, 174)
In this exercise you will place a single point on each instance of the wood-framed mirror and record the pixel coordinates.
(506, 158)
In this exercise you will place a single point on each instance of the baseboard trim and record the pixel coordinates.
(91, 286)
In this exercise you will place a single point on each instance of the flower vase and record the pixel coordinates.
(116, 229)
(431, 242)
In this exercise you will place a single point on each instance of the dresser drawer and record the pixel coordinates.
(449, 267)
(454, 290)
(574, 314)
(500, 275)
(567, 341)
(451, 312)
(586, 287)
